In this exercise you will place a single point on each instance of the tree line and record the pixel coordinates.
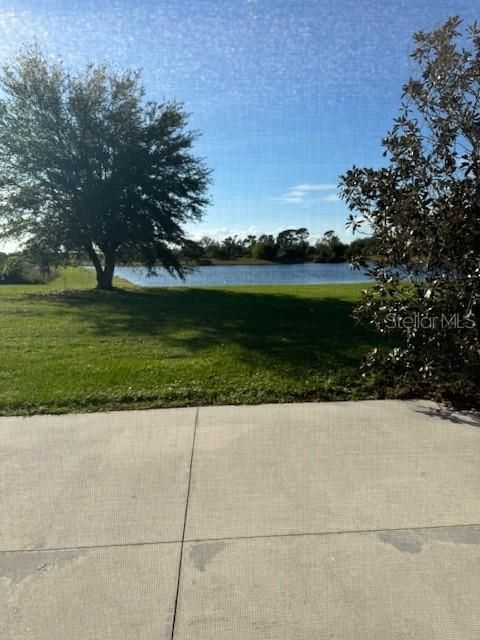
(288, 246)
(37, 263)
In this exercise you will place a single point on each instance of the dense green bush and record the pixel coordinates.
(13, 270)
(17, 269)
(424, 210)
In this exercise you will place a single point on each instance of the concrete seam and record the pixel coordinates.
(184, 525)
(334, 533)
(86, 547)
(232, 538)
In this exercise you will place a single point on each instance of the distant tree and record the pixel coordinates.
(424, 210)
(214, 249)
(14, 270)
(265, 248)
(91, 166)
(208, 245)
(361, 250)
(292, 244)
(330, 248)
(249, 243)
(192, 251)
(232, 247)
(44, 254)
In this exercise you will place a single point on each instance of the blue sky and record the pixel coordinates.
(288, 94)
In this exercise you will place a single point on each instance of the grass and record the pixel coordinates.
(67, 347)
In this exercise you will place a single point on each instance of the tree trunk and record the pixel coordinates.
(105, 273)
(109, 268)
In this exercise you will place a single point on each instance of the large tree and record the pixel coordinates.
(86, 164)
(424, 210)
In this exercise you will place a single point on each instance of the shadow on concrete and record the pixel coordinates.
(471, 418)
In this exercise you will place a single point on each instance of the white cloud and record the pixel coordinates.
(300, 193)
(220, 233)
(316, 232)
(315, 187)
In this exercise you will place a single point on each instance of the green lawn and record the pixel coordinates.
(67, 347)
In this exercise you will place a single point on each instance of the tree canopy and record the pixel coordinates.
(424, 210)
(289, 245)
(86, 164)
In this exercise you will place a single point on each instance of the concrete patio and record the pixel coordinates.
(345, 521)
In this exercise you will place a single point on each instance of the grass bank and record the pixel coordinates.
(66, 347)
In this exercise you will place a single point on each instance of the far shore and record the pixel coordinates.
(233, 262)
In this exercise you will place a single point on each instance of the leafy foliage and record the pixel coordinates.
(18, 268)
(86, 163)
(330, 248)
(424, 211)
(13, 270)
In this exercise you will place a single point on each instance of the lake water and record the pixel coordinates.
(247, 274)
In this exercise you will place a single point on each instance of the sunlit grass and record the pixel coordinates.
(68, 347)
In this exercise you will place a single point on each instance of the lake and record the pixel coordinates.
(309, 273)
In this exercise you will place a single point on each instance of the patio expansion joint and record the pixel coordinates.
(334, 533)
(184, 524)
(87, 547)
(184, 541)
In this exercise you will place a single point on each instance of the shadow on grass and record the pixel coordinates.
(294, 332)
